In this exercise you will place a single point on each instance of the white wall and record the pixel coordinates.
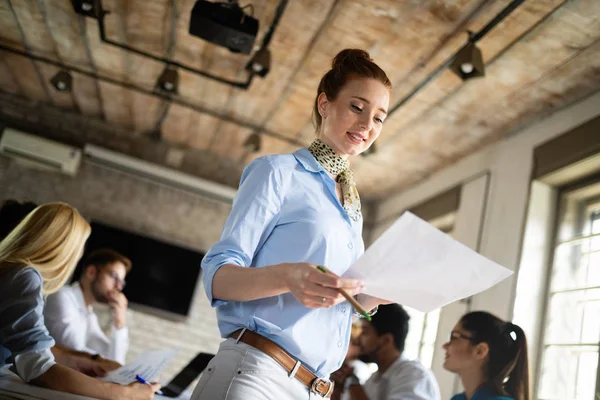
(508, 165)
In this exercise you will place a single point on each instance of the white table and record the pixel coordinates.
(12, 387)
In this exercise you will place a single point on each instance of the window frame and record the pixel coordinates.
(582, 217)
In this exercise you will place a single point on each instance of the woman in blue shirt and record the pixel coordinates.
(288, 327)
(490, 356)
(36, 259)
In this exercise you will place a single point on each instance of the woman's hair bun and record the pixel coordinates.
(349, 58)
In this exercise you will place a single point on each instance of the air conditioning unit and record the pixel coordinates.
(35, 151)
(157, 174)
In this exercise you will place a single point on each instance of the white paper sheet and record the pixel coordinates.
(147, 365)
(416, 265)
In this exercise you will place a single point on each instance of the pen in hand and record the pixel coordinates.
(142, 380)
(350, 299)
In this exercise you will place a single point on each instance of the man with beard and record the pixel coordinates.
(397, 378)
(69, 313)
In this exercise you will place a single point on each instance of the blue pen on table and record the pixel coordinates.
(142, 380)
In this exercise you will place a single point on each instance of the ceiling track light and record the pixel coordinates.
(253, 143)
(168, 81)
(260, 63)
(227, 25)
(62, 81)
(85, 7)
(468, 62)
(224, 24)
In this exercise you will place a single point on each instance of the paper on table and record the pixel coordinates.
(147, 365)
(418, 266)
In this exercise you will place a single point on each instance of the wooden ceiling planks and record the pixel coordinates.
(187, 50)
(175, 127)
(201, 130)
(528, 74)
(460, 129)
(37, 37)
(228, 142)
(64, 29)
(264, 12)
(8, 82)
(110, 61)
(32, 77)
(216, 60)
(137, 16)
(25, 76)
(426, 102)
(340, 33)
(291, 41)
(493, 44)
(573, 77)
(269, 145)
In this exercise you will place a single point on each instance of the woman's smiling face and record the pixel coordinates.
(353, 120)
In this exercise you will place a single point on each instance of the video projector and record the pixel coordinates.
(224, 24)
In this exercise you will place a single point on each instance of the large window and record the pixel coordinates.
(420, 342)
(571, 332)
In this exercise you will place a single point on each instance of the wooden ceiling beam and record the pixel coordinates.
(134, 19)
(446, 84)
(454, 129)
(28, 74)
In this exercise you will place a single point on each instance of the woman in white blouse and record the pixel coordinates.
(36, 259)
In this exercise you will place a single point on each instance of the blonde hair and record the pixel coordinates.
(49, 239)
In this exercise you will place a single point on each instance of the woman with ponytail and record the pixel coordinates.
(287, 326)
(490, 356)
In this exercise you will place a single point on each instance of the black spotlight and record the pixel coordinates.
(62, 81)
(252, 143)
(85, 7)
(260, 63)
(225, 24)
(468, 63)
(168, 81)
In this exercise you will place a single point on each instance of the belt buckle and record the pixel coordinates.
(314, 387)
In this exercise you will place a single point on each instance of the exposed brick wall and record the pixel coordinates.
(138, 206)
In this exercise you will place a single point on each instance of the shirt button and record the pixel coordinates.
(350, 245)
(339, 344)
(343, 309)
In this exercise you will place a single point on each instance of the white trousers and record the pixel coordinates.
(241, 372)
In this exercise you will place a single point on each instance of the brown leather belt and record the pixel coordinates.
(311, 381)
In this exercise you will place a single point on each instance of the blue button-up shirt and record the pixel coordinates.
(286, 210)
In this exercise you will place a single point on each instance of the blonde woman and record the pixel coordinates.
(36, 259)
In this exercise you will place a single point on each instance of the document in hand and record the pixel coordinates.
(147, 365)
(416, 265)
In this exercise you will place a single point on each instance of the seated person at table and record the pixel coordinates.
(397, 378)
(36, 258)
(490, 356)
(70, 317)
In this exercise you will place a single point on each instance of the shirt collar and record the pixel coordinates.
(308, 161)
(401, 359)
(78, 292)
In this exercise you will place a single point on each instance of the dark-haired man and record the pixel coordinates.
(398, 378)
(69, 313)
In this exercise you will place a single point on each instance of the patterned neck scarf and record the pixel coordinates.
(339, 167)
